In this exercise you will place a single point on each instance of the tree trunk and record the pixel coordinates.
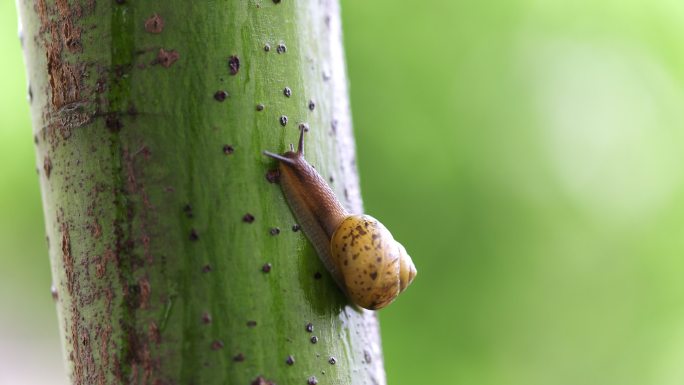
(174, 256)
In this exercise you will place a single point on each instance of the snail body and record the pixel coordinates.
(363, 258)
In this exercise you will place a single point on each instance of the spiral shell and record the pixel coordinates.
(373, 267)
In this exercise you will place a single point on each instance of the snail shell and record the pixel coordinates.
(374, 267)
(370, 267)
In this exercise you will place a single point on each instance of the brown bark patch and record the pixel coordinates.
(166, 58)
(60, 36)
(154, 24)
(77, 335)
(105, 338)
(145, 291)
(64, 78)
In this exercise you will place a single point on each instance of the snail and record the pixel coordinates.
(363, 258)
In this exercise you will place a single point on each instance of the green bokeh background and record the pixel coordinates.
(527, 153)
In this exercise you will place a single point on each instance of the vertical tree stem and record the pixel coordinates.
(173, 256)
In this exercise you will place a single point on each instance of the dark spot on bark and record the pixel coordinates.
(312, 381)
(314, 339)
(318, 275)
(112, 122)
(309, 327)
(331, 179)
(266, 268)
(132, 296)
(217, 345)
(206, 318)
(259, 107)
(312, 105)
(273, 175)
(206, 268)
(54, 293)
(166, 58)
(274, 231)
(154, 24)
(283, 120)
(239, 357)
(187, 209)
(234, 64)
(120, 70)
(332, 360)
(304, 126)
(30, 94)
(193, 235)
(220, 95)
(251, 324)
(367, 356)
(333, 125)
(282, 48)
(262, 381)
(287, 92)
(248, 218)
(267, 47)
(228, 149)
(290, 360)
(47, 166)
(296, 227)
(374, 275)
(132, 111)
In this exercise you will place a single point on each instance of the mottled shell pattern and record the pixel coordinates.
(374, 267)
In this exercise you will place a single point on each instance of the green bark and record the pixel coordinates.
(149, 175)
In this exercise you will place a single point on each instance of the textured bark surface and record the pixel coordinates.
(173, 254)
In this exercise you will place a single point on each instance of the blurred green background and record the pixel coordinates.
(529, 155)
